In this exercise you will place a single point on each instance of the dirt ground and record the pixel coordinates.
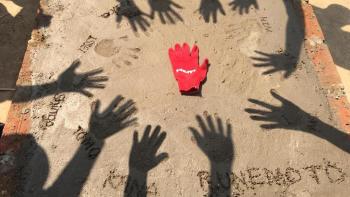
(283, 142)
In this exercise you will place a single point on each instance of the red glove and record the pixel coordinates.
(187, 71)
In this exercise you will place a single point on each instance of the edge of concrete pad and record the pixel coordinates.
(326, 71)
(18, 119)
(19, 122)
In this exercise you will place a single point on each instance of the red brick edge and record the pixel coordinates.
(325, 67)
(15, 132)
(19, 122)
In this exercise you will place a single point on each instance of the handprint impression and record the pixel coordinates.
(123, 56)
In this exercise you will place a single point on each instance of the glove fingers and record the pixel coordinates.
(172, 54)
(204, 65)
(195, 51)
(185, 49)
(177, 47)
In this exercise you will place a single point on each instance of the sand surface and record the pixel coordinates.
(290, 160)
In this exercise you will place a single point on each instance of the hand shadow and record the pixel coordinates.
(68, 81)
(290, 116)
(243, 5)
(165, 10)
(333, 21)
(137, 18)
(287, 60)
(143, 158)
(114, 119)
(210, 8)
(70, 182)
(279, 63)
(217, 144)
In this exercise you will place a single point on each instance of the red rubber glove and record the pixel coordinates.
(187, 71)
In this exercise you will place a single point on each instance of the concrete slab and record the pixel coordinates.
(255, 159)
(334, 19)
(17, 21)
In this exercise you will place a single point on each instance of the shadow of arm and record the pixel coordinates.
(290, 116)
(115, 118)
(216, 142)
(143, 158)
(75, 174)
(68, 81)
(332, 135)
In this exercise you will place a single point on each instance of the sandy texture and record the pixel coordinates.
(335, 23)
(301, 153)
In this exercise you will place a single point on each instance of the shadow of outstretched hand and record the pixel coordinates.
(137, 18)
(143, 158)
(101, 126)
(279, 62)
(143, 155)
(217, 144)
(70, 81)
(165, 10)
(115, 118)
(244, 5)
(214, 141)
(288, 115)
(210, 8)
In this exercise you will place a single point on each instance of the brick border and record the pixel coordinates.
(325, 67)
(16, 131)
(19, 122)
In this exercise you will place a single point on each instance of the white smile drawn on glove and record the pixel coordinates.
(185, 71)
